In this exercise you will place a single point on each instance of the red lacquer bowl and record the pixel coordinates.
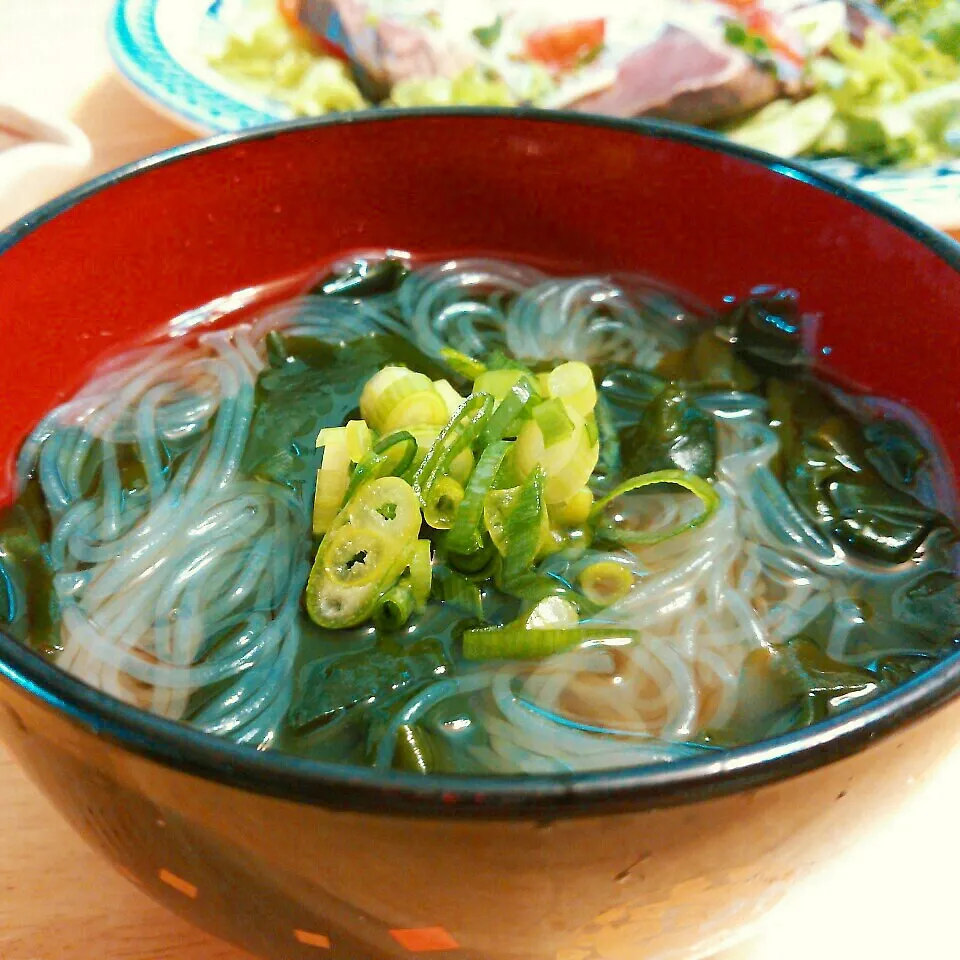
(297, 860)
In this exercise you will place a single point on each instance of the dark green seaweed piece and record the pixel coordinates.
(932, 603)
(608, 461)
(791, 686)
(873, 518)
(768, 332)
(895, 450)
(709, 363)
(827, 464)
(316, 385)
(414, 752)
(626, 393)
(365, 278)
(28, 603)
(673, 434)
(326, 689)
(457, 591)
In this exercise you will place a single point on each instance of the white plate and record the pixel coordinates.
(158, 47)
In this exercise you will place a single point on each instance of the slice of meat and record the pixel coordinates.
(863, 16)
(686, 78)
(388, 49)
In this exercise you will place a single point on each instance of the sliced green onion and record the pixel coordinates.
(359, 440)
(573, 512)
(423, 408)
(354, 566)
(554, 422)
(688, 481)
(390, 457)
(519, 642)
(387, 504)
(460, 363)
(498, 383)
(333, 478)
(565, 481)
(450, 396)
(394, 608)
(421, 573)
(593, 431)
(553, 613)
(386, 388)
(567, 464)
(535, 587)
(330, 435)
(573, 383)
(459, 592)
(479, 564)
(458, 435)
(460, 467)
(514, 408)
(414, 750)
(498, 360)
(466, 534)
(442, 503)
(523, 529)
(606, 582)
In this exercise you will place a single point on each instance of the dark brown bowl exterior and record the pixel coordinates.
(295, 861)
(289, 881)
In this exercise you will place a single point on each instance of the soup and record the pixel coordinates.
(470, 517)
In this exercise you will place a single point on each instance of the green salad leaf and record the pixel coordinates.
(937, 21)
(895, 100)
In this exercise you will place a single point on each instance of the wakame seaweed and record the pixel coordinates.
(327, 689)
(767, 332)
(479, 513)
(364, 278)
(828, 466)
(312, 384)
(673, 433)
(28, 603)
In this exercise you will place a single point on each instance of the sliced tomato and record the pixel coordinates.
(292, 12)
(768, 25)
(565, 46)
(740, 4)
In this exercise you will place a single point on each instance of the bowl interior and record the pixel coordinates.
(569, 195)
(108, 265)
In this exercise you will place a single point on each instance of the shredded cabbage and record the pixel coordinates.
(935, 20)
(475, 87)
(895, 100)
(263, 53)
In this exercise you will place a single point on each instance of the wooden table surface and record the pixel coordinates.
(892, 897)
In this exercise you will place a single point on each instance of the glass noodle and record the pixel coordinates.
(178, 551)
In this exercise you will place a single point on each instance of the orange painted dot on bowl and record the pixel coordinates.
(178, 884)
(312, 939)
(127, 874)
(425, 939)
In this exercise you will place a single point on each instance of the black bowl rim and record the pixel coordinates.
(542, 797)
